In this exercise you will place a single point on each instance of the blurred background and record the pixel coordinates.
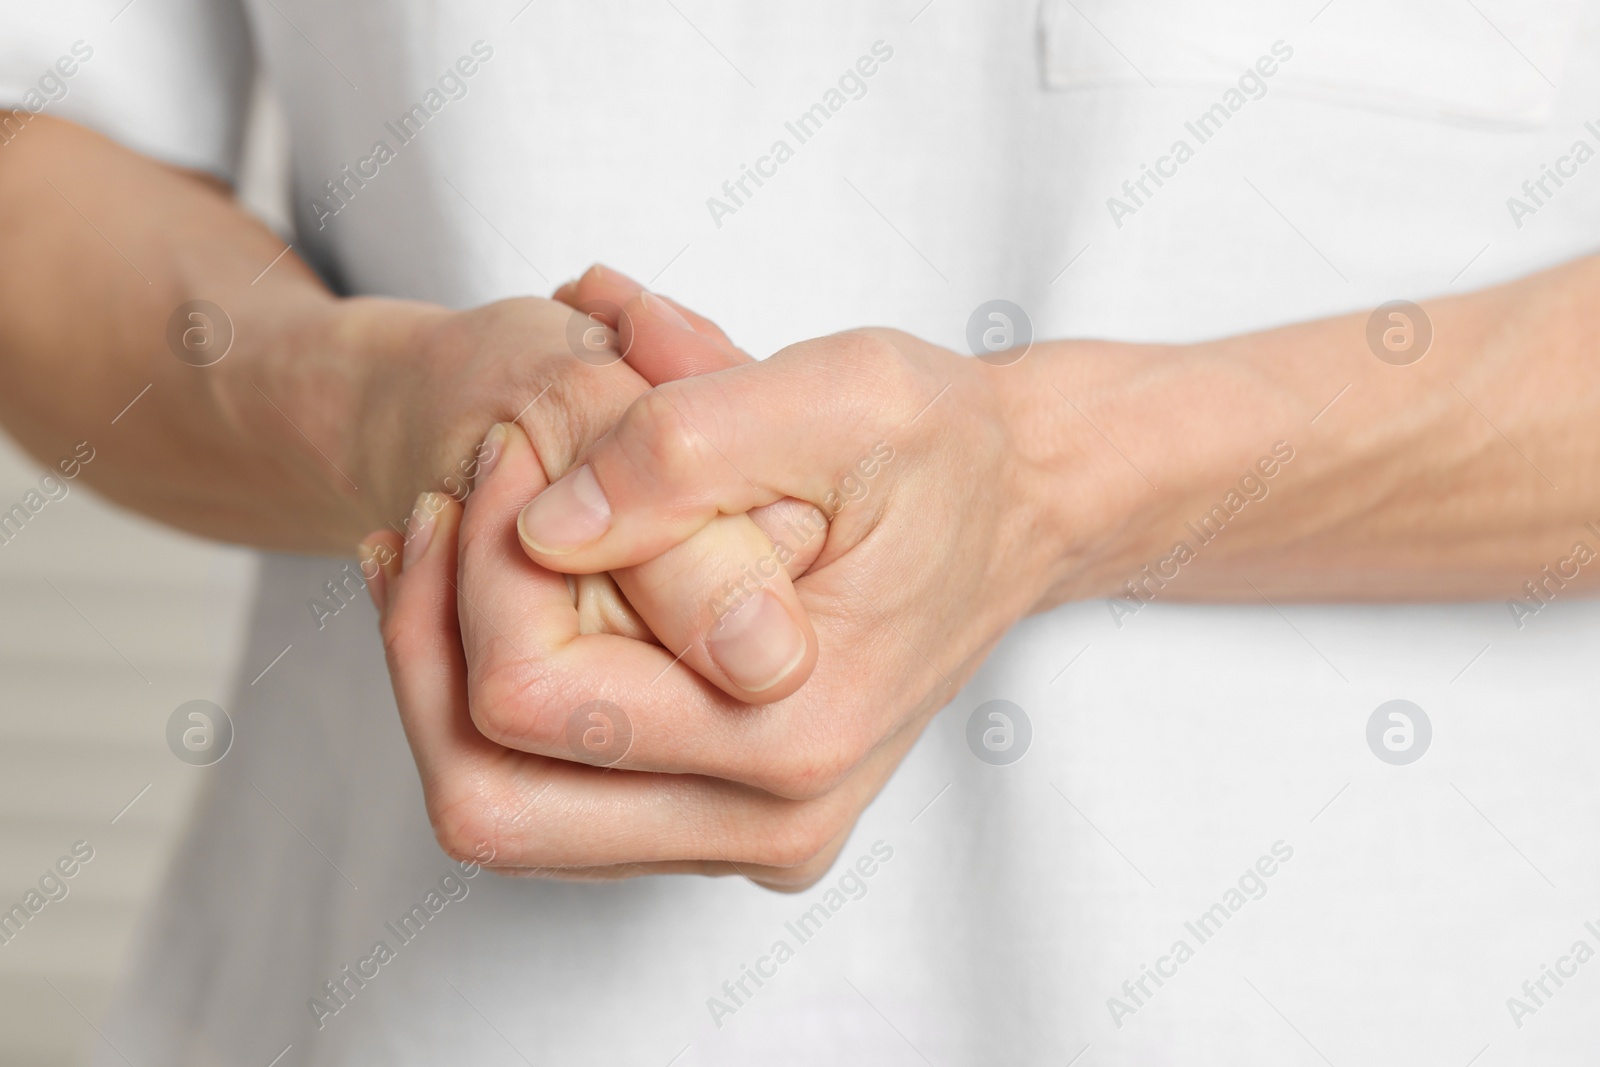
(108, 622)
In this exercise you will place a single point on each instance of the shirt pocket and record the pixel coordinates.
(1490, 63)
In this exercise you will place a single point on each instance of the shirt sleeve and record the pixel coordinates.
(168, 78)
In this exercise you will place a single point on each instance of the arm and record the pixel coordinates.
(326, 416)
(102, 245)
(1458, 476)
(962, 496)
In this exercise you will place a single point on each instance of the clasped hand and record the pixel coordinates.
(704, 641)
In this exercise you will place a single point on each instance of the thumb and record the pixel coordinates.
(662, 345)
(661, 339)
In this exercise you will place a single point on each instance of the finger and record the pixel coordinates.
(603, 608)
(422, 643)
(380, 564)
(797, 528)
(603, 291)
(705, 326)
(597, 296)
(663, 345)
(480, 794)
(723, 600)
(666, 311)
(722, 603)
(533, 669)
(604, 298)
(611, 291)
(588, 823)
(665, 342)
(719, 444)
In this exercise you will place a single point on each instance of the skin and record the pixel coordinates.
(1068, 470)
(326, 416)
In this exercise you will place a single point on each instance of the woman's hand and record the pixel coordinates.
(941, 537)
(468, 595)
(558, 375)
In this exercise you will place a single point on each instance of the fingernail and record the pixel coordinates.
(391, 562)
(372, 553)
(758, 645)
(566, 516)
(424, 517)
(662, 311)
(494, 443)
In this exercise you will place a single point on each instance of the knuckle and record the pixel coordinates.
(512, 703)
(470, 830)
(801, 878)
(662, 436)
(873, 348)
(802, 838)
(812, 775)
(880, 354)
(820, 764)
(872, 345)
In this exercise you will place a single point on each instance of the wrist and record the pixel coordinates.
(1126, 447)
(309, 395)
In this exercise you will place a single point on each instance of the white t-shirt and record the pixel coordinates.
(1200, 801)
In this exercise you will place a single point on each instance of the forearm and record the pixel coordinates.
(102, 246)
(1459, 476)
